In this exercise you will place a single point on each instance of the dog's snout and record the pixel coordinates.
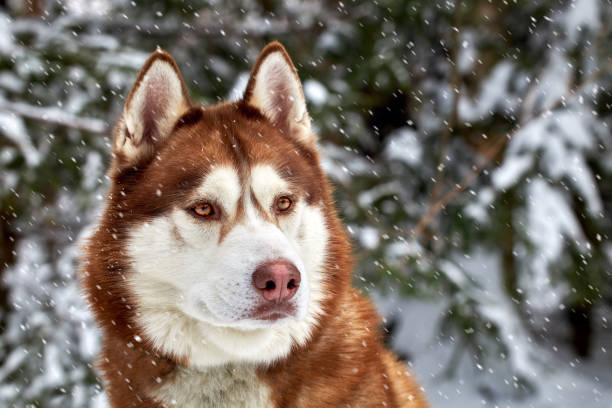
(276, 281)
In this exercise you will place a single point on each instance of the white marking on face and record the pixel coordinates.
(195, 293)
(221, 186)
(267, 185)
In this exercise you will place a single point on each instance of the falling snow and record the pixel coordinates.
(469, 145)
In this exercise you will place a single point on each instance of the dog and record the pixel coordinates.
(219, 271)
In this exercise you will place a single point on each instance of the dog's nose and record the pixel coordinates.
(277, 281)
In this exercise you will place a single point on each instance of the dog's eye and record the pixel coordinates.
(283, 204)
(204, 210)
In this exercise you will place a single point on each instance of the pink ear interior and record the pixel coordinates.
(282, 92)
(156, 103)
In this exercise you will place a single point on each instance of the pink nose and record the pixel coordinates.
(277, 281)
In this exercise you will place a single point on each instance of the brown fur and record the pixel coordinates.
(343, 365)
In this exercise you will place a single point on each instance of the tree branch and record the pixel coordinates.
(453, 115)
(55, 116)
(434, 209)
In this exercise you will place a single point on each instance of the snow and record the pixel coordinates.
(492, 95)
(552, 85)
(93, 171)
(454, 274)
(99, 41)
(558, 142)
(583, 180)
(50, 308)
(582, 14)
(509, 173)
(239, 87)
(342, 164)
(467, 53)
(479, 208)
(550, 222)
(367, 198)
(563, 382)
(471, 342)
(6, 43)
(369, 237)
(13, 124)
(13, 128)
(399, 250)
(11, 82)
(315, 92)
(403, 145)
(91, 7)
(329, 41)
(498, 308)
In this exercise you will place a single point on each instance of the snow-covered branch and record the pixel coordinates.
(55, 116)
(435, 207)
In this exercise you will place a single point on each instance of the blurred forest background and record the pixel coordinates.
(469, 142)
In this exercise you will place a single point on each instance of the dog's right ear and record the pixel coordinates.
(157, 100)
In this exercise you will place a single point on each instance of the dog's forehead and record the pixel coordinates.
(205, 140)
(224, 137)
(223, 134)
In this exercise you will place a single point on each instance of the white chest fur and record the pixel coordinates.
(228, 386)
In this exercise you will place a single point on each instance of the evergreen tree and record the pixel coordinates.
(468, 141)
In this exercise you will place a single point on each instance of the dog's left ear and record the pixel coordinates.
(157, 100)
(275, 89)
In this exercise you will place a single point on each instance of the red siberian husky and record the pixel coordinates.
(219, 271)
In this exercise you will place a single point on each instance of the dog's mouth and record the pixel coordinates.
(264, 314)
(272, 311)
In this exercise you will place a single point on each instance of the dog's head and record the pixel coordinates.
(220, 235)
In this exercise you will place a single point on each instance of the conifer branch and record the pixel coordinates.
(55, 116)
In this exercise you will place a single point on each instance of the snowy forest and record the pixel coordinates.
(469, 144)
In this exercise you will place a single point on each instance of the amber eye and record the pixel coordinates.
(204, 210)
(283, 203)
